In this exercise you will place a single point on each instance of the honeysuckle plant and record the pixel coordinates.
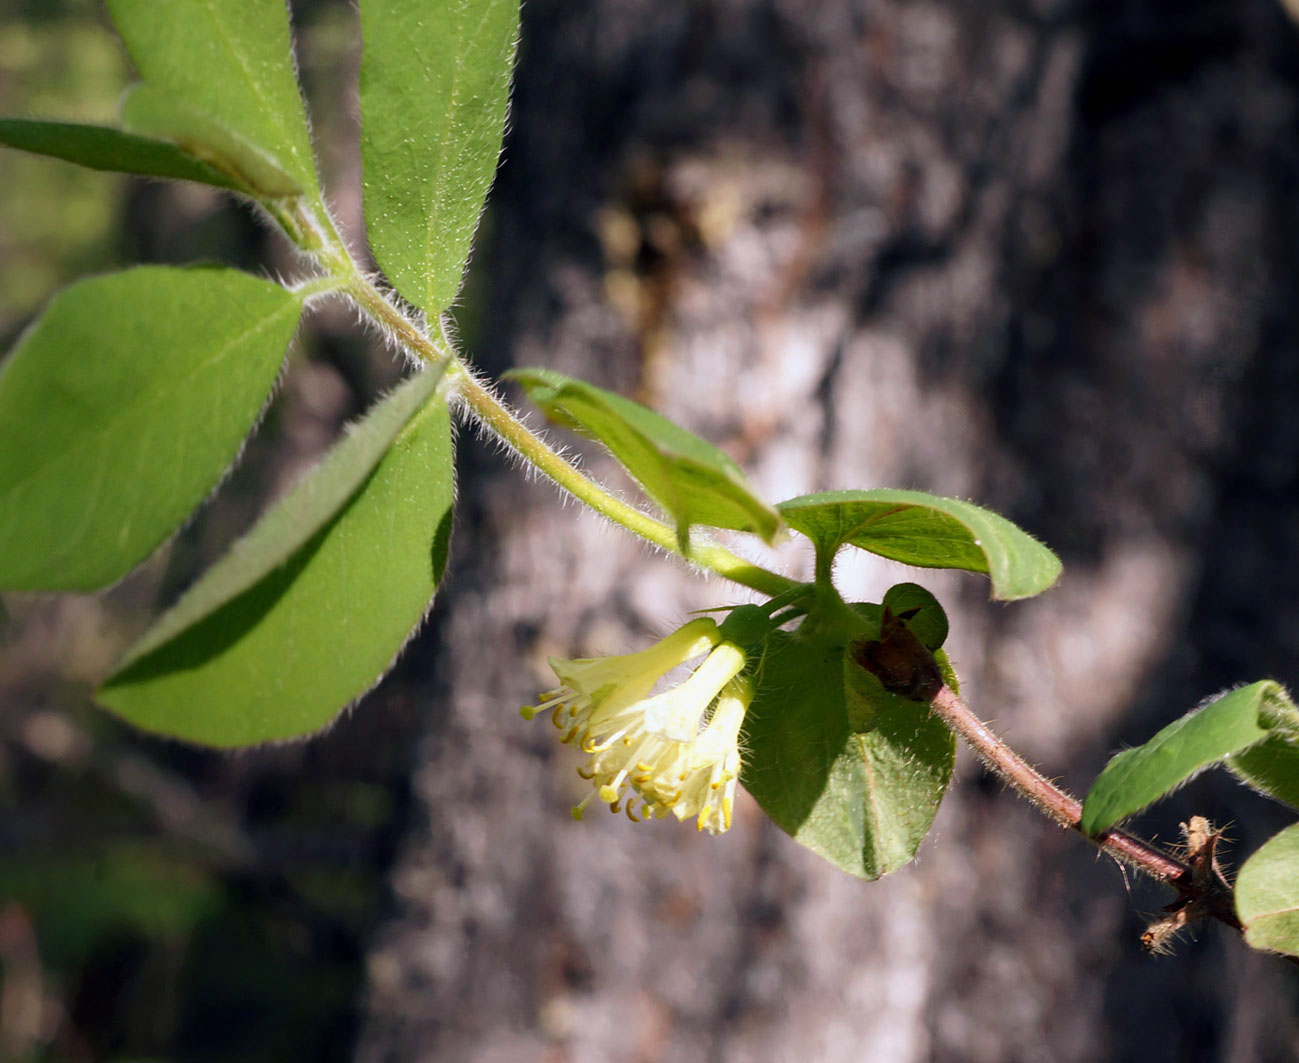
(125, 402)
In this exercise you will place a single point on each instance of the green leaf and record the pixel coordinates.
(1267, 894)
(230, 60)
(102, 148)
(1271, 768)
(313, 605)
(848, 770)
(1229, 724)
(156, 112)
(434, 87)
(692, 480)
(926, 530)
(121, 408)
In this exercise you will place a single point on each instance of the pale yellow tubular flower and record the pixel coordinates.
(607, 683)
(714, 771)
(652, 747)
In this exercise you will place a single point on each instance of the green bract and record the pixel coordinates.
(848, 770)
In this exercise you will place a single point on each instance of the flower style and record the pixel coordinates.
(668, 750)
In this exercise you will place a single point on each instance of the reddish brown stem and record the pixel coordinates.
(1202, 895)
(905, 666)
(1065, 809)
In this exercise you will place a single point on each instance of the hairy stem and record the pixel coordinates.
(332, 256)
(510, 430)
(1200, 895)
(1060, 806)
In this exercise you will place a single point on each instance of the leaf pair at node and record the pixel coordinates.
(124, 404)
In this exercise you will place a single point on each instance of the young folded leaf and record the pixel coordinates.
(435, 82)
(691, 479)
(1233, 723)
(310, 608)
(1271, 767)
(103, 148)
(1267, 894)
(121, 408)
(927, 530)
(232, 62)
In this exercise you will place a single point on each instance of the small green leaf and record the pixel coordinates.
(231, 61)
(692, 480)
(312, 606)
(435, 82)
(848, 770)
(155, 112)
(121, 408)
(926, 530)
(1229, 724)
(102, 148)
(1271, 768)
(1267, 894)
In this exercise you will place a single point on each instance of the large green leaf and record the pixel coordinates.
(848, 770)
(1229, 724)
(1267, 894)
(302, 617)
(102, 148)
(692, 480)
(231, 60)
(926, 530)
(434, 86)
(121, 408)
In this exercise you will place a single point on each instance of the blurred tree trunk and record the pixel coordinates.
(1036, 253)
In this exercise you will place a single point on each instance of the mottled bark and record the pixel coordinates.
(1034, 253)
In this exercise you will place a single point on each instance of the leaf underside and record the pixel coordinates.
(693, 481)
(916, 528)
(236, 664)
